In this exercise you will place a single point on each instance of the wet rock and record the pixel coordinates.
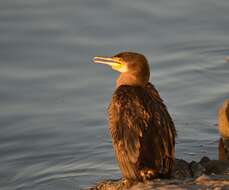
(205, 174)
(217, 167)
(209, 167)
(197, 169)
(181, 169)
(204, 160)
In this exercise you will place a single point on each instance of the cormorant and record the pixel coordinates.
(142, 131)
(223, 127)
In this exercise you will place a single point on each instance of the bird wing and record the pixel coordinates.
(141, 129)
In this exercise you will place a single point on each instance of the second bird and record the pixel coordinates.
(142, 131)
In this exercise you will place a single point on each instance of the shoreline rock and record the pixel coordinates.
(199, 175)
(205, 174)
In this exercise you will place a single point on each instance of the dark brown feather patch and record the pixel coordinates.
(142, 131)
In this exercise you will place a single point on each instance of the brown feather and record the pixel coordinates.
(142, 131)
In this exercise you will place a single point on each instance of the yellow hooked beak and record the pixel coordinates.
(115, 62)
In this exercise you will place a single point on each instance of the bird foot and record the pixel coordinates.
(148, 174)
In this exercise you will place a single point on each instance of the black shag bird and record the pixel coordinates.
(142, 131)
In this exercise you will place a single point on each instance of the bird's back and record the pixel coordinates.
(142, 131)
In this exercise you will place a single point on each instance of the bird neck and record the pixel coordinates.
(131, 80)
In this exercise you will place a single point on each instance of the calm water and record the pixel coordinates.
(53, 100)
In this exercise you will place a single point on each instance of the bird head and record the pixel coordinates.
(134, 67)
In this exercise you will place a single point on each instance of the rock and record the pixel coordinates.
(204, 160)
(181, 169)
(197, 169)
(205, 174)
(220, 167)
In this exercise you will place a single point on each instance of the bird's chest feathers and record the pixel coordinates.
(128, 115)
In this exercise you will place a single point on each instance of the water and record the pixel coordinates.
(53, 100)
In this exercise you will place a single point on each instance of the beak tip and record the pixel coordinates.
(105, 60)
(94, 59)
